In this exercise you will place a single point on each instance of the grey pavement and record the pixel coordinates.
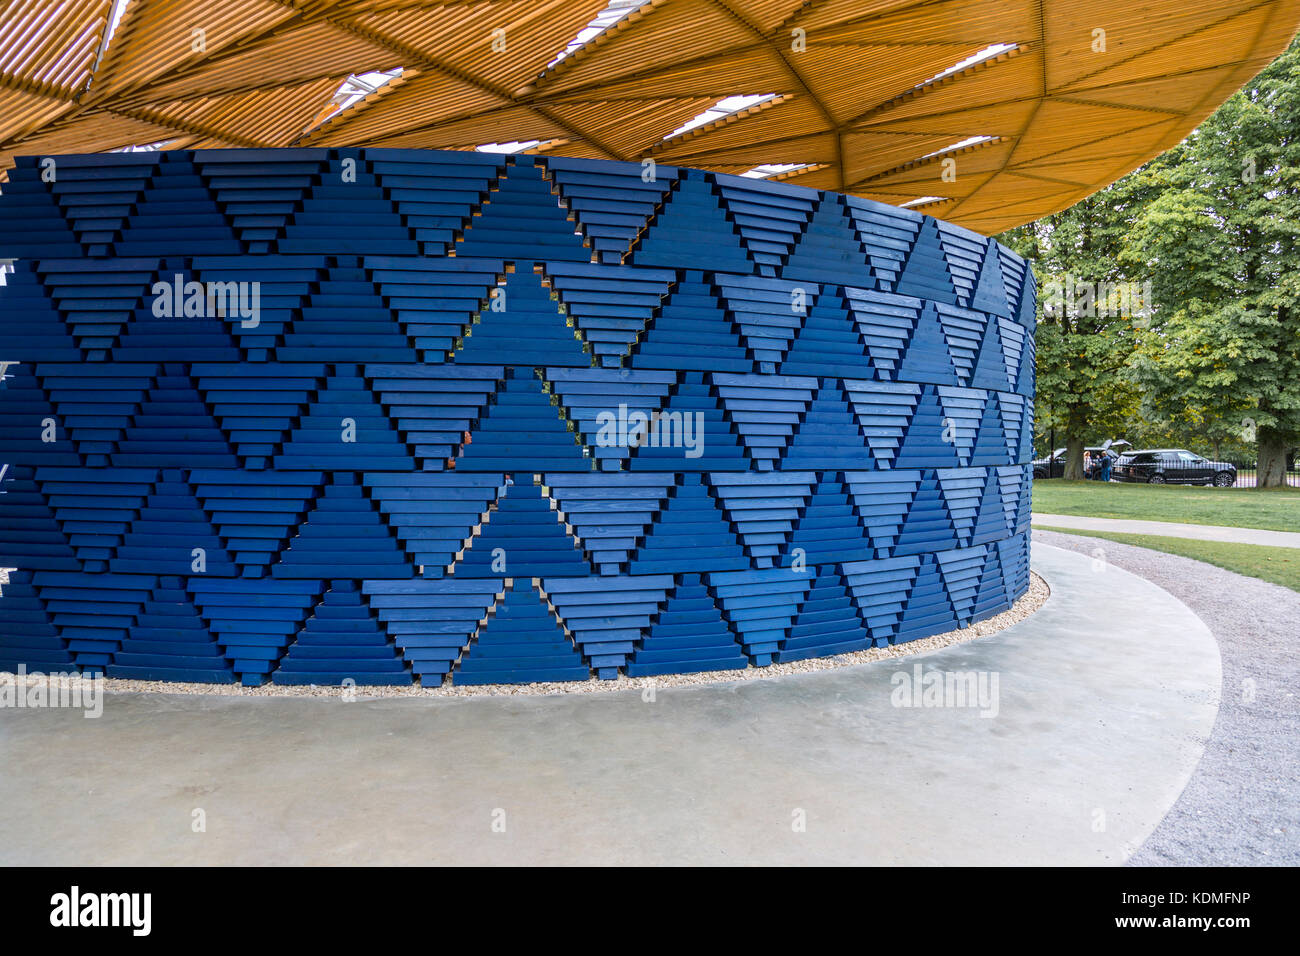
(1096, 734)
(1242, 806)
(1172, 529)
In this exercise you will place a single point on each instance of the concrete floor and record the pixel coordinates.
(1096, 734)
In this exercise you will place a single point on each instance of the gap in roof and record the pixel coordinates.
(988, 53)
(115, 14)
(774, 169)
(357, 86)
(614, 11)
(516, 146)
(924, 199)
(724, 107)
(968, 141)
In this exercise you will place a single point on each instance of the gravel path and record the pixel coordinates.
(1242, 805)
(1173, 529)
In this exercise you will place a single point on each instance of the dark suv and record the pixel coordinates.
(1174, 466)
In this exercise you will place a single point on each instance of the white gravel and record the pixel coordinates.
(1027, 605)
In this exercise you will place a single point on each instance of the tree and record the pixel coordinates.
(1221, 240)
(1085, 335)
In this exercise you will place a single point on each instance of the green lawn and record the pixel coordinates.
(1278, 565)
(1276, 509)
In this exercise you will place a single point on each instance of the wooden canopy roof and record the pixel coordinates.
(861, 92)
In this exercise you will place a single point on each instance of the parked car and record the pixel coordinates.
(1158, 466)
(1053, 466)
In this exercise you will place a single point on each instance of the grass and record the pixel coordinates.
(1276, 509)
(1277, 565)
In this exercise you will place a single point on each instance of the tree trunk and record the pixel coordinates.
(1272, 448)
(1073, 459)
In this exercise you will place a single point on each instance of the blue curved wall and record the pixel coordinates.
(406, 462)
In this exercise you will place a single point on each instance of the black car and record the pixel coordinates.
(1174, 466)
(1053, 466)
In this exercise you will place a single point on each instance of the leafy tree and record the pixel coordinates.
(1084, 345)
(1222, 242)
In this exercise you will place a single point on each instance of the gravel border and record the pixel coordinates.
(1242, 804)
(1032, 600)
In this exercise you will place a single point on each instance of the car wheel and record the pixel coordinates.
(1156, 480)
(1225, 479)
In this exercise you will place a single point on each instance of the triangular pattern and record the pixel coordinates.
(924, 443)
(255, 512)
(342, 641)
(886, 323)
(28, 636)
(435, 193)
(962, 331)
(612, 202)
(345, 314)
(688, 634)
(176, 190)
(962, 489)
(176, 334)
(829, 250)
(523, 428)
(433, 515)
(964, 253)
(523, 536)
(830, 342)
(692, 227)
(521, 643)
(692, 412)
(990, 364)
(888, 234)
(766, 410)
(174, 428)
(169, 529)
(962, 409)
(884, 411)
(926, 274)
(929, 610)
(768, 312)
(961, 571)
(169, 641)
(691, 530)
(692, 331)
(253, 622)
(991, 594)
(929, 526)
(828, 529)
(927, 358)
(990, 446)
(882, 502)
(610, 415)
(346, 212)
(759, 606)
(990, 289)
(29, 526)
(431, 622)
(991, 522)
(827, 621)
(345, 429)
(829, 435)
(770, 216)
(521, 324)
(343, 535)
(763, 509)
(258, 198)
(522, 196)
(609, 513)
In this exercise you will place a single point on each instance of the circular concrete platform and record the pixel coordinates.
(1083, 739)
